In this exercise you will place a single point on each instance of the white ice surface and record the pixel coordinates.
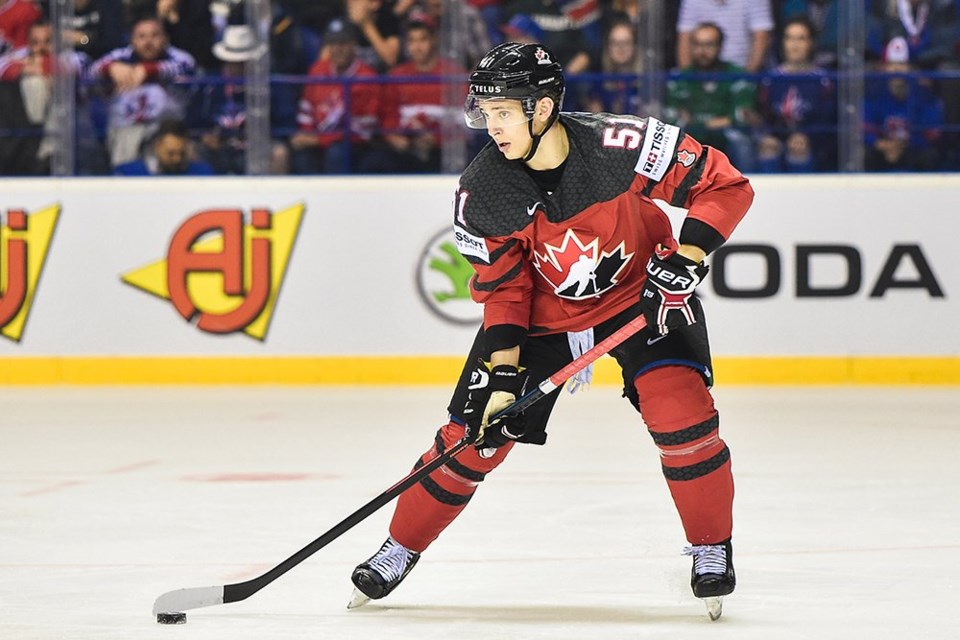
(847, 517)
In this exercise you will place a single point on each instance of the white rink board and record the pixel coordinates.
(350, 286)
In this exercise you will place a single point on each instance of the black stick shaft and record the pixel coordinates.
(243, 590)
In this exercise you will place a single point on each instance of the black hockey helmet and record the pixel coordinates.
(512, 70)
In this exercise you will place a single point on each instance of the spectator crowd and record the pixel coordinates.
(373, 86)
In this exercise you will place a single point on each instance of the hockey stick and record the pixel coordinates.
(195, 597)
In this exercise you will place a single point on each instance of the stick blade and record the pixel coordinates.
(192, 598)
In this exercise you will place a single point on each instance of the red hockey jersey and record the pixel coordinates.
(323, 105)
(570, 259)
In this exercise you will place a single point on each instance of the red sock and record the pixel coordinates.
(678, 410)
(425, 509)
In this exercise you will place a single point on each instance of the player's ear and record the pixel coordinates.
(544, 108)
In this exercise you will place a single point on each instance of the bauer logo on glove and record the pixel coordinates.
(493, 389)
(666, 295)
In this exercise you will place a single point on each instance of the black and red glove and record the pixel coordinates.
(671, 281)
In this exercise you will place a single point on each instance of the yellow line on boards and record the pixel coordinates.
(443, 370)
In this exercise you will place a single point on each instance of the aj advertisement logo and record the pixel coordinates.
(24, 242)
(443, 280)
(222, 272)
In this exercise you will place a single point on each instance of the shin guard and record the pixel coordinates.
(425, 509)
(678, 410)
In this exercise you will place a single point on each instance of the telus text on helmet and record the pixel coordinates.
(485, 88)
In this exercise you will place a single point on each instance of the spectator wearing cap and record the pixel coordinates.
(903, 118)
(413, 110)
(169, 154)
(334, 133)
(224, 110)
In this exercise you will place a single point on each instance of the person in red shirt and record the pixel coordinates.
(557, 217)
(415, 113)
(16, 16)
(322, 144)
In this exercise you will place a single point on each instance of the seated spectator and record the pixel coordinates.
(140, 80)
(95, 27)
(903, 118)
(16, 16)
(824, 15)
(169, 154)
(414, 112)
(25, 94)
(570, 29)
(928, 26)
(747, 27)
(798, 103)
(224, 145)
(620, 58)
(331, 139)
(187, 23)
(716, 111)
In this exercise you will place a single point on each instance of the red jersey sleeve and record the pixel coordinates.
(503, 280)
(695, 177)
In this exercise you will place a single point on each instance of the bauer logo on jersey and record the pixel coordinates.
(578, 270)
(223, 273)
(470, 245)
(24, 242)
(659, 143)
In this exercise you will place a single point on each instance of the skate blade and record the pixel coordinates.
(358, 599)
(714, 607)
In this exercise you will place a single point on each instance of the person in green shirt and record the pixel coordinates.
(718, 111)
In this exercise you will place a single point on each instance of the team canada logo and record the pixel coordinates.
(579, 270)
(542, 56)
(686, 158)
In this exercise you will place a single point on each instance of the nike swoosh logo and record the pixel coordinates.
(532, 210)
(651, 341)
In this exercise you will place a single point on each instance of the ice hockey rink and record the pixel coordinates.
(847, 516)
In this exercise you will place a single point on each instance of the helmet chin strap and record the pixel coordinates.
(537, 136)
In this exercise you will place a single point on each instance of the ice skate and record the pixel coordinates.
(378, 576)
(712, 576)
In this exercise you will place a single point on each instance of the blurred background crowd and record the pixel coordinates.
(221, 87)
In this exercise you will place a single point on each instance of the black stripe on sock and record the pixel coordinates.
(694, 471)
(690, 434)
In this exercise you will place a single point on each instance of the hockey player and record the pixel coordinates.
(556, 215)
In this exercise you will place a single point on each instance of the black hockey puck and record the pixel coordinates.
(172, 618)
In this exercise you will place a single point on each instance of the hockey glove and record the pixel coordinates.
(493, 389)
(671, 280)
